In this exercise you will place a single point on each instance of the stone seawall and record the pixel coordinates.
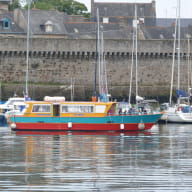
(53, 62)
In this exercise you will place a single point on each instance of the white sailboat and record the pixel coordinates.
(180, 112)
(141, 104)
(101, 65)
(16, 104)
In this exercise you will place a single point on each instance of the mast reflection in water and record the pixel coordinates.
(157, 160)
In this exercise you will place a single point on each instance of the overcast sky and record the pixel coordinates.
(164, 8)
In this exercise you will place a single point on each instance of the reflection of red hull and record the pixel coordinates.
(110, 133)
(80, 127)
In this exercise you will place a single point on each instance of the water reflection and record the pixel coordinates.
(157, 160)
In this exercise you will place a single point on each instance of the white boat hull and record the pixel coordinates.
(179, 117)
(173, 115)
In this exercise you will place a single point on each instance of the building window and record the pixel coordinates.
(6, 23)
(48, 27)
(76, 30)
(105, 20)
(161, 36)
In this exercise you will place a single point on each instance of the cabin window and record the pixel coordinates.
(45, 108)
(77, 109)
(100, 108)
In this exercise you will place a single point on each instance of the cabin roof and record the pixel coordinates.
(71, 102)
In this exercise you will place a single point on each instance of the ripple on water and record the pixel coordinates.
(160, 160)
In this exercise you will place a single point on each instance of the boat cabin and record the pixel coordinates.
(10, 103)
(73, 109)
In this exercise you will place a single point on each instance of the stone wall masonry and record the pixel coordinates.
(63, 44)
(54, 61)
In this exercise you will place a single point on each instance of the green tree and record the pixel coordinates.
(14, 5)
(70, 7)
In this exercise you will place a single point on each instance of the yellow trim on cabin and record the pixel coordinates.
(30, 104)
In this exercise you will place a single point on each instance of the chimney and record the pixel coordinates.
(92, 5)
(154, 7)
(153, 4)
(4, 4)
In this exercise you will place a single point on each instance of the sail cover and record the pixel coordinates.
(181, 93)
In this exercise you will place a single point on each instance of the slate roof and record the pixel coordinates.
(158, 33)
(167, 22)
(165, 32)
(88, 27)
(63, 24)
(80, 27)
(7, 1)
(14, 28)
(39, 17)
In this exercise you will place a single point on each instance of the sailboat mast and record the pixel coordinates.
(189, 67)
(98, 50)
(104, 65)
(97, 55)
(105, 75)
(179, 42)
(132, 63)
(173, 62)
(27, 53)
(102, 62)
(136, 64)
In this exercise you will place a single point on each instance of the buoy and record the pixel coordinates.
(141, 126)
(13, 125)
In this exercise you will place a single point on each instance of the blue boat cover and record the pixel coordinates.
(181, 93)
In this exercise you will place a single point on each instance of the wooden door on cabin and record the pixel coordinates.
(56, 110)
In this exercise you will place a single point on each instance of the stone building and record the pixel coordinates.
(125, 12)
(63, 47)
(116, 19)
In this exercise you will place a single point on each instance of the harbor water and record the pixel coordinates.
(158, 160)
